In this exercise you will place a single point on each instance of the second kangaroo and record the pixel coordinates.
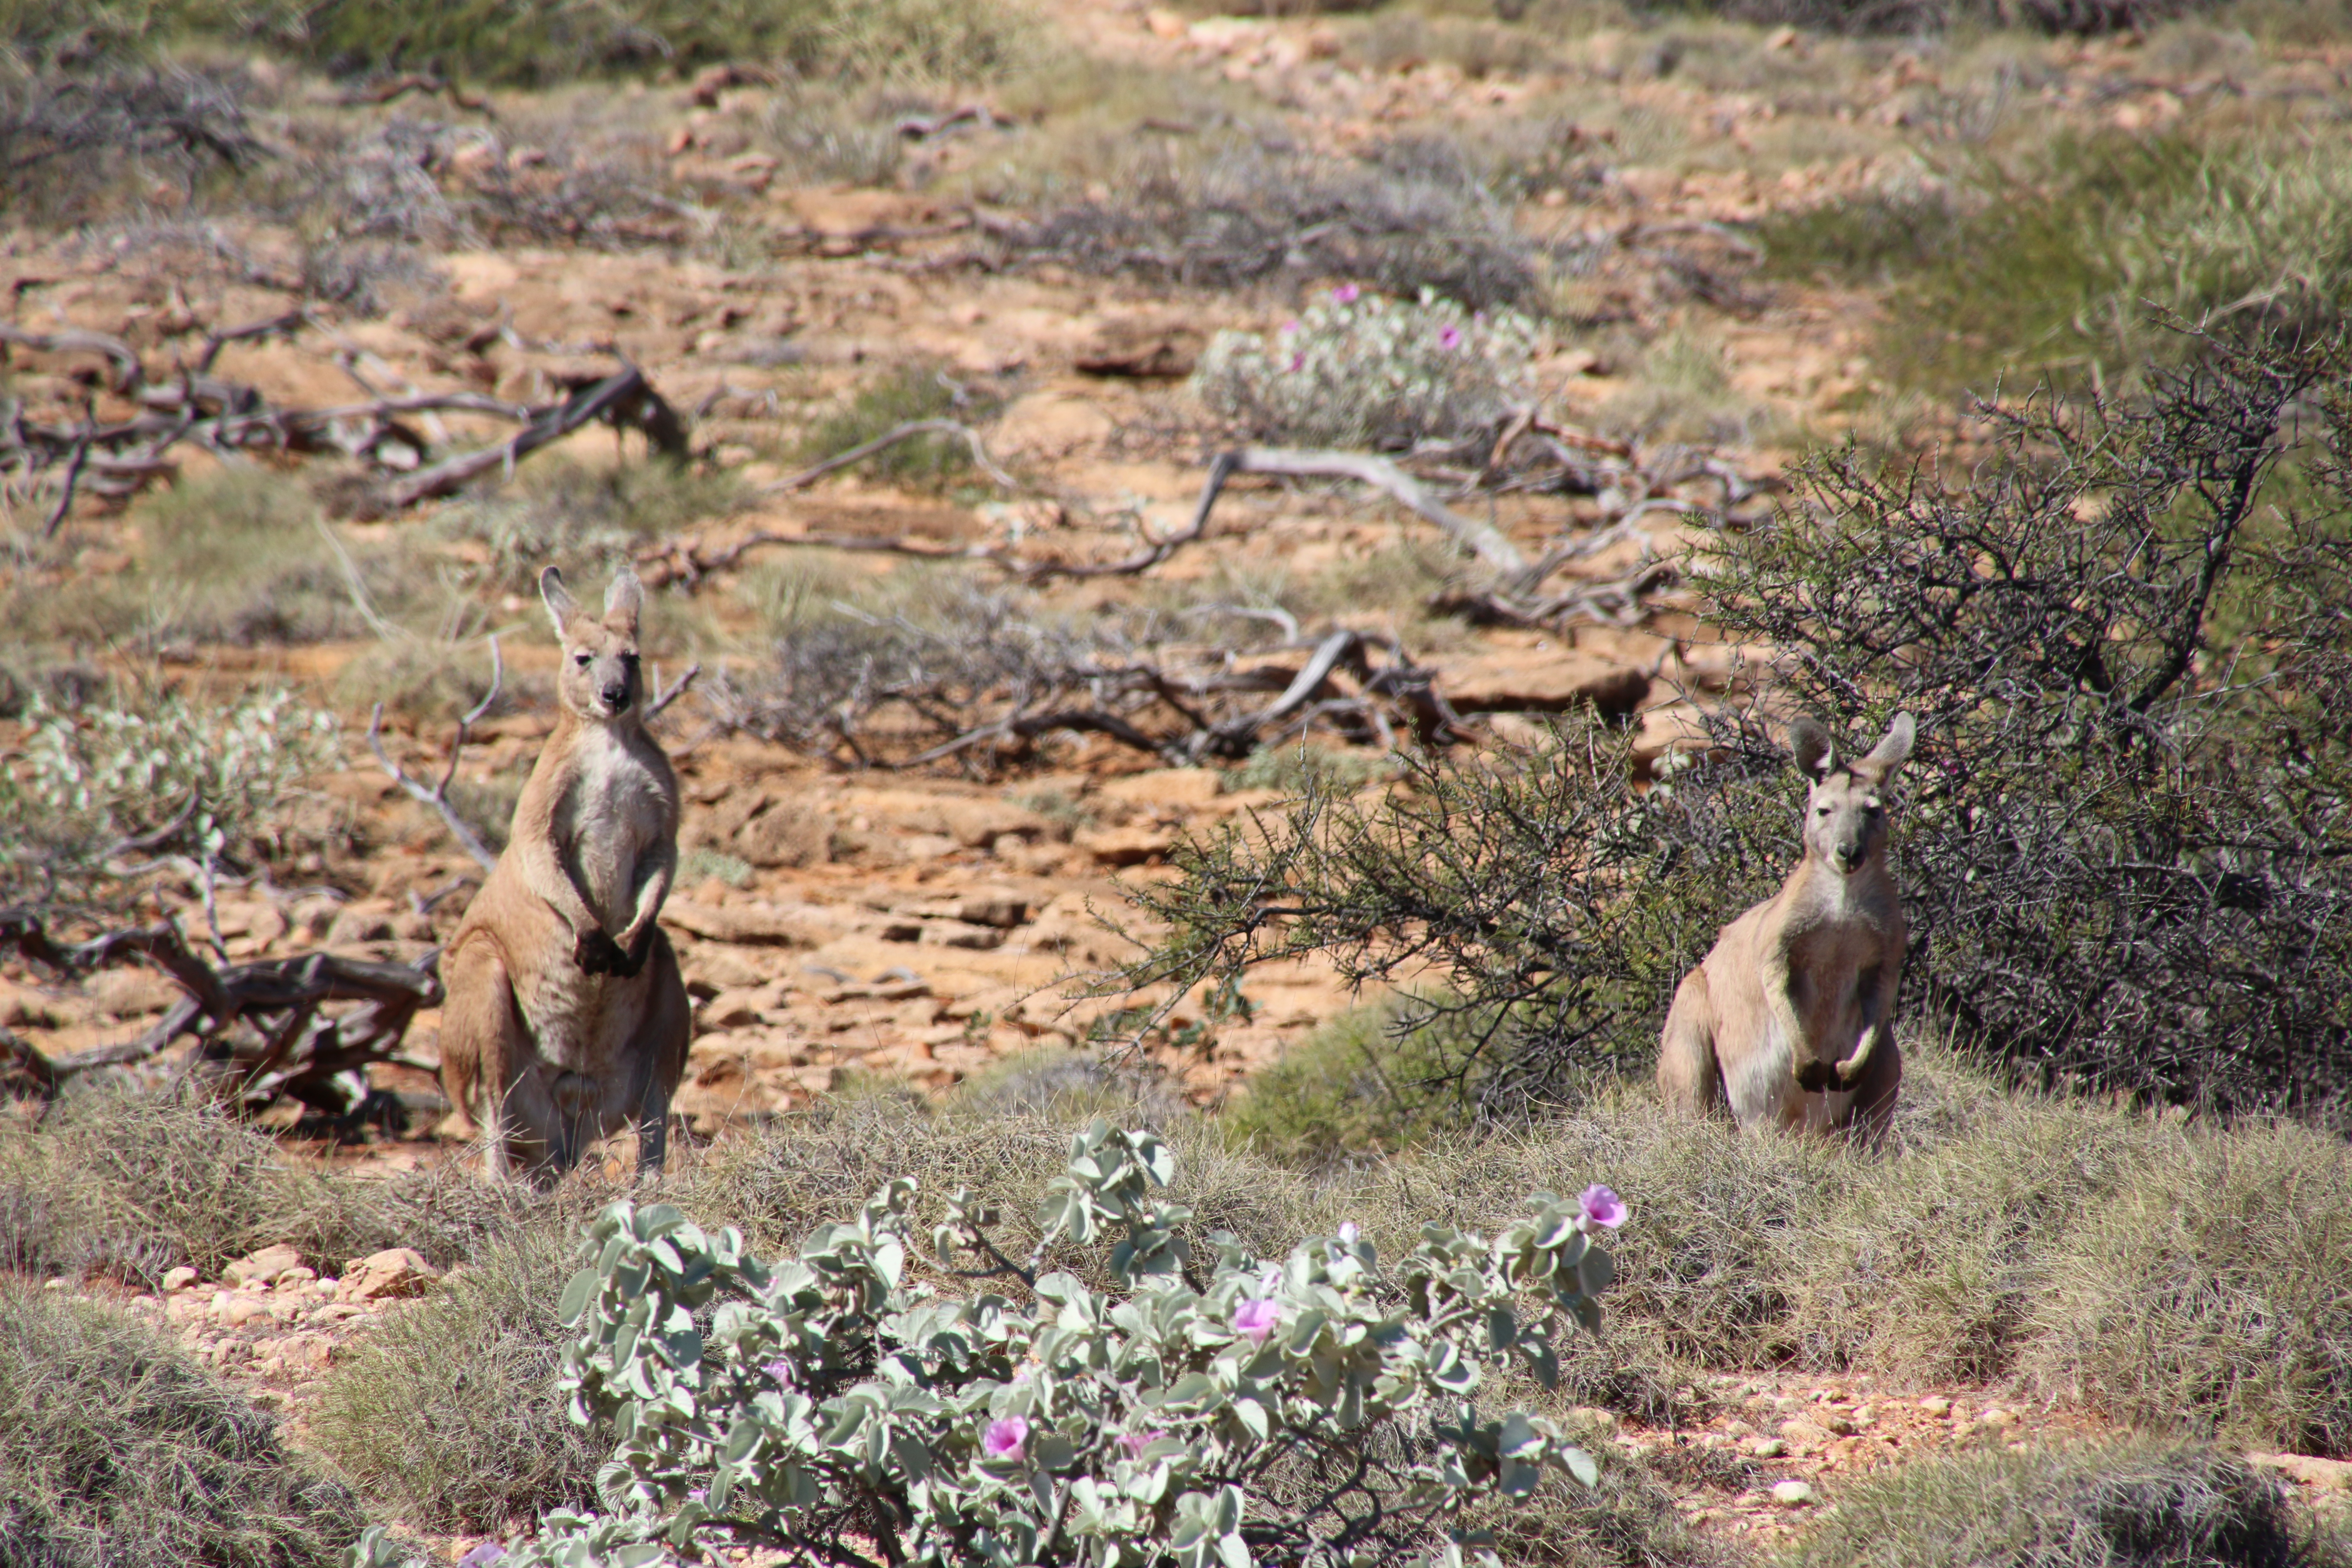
(566, 1017)
(1790, 1019)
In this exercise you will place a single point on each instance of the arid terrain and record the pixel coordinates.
(912, 874)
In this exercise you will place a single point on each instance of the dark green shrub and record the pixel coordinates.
(116, 1451)
(2105, 1506)
(909, 392)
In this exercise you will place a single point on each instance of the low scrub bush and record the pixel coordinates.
(1356, 370)
(1912, 16)
(448, 1412)
(1208, 1408)
(1414, 216)
(156, 773)
(2124, 856)
(75, 141)
(117, 1451)
(2094, 1505)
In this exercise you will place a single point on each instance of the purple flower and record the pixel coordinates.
(1136, 1442)
(1297, 363)
(482, 1556)
(1347, 294)
(699, 1494)
(1257, 1318)
(1288, 328)
(1449, 337)
(1349, 1233)
(1005, 1439)
(1602, 1207)
(781, 1370)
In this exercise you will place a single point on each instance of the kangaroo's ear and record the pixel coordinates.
(560, 605)
(623, 600)
(1889, 753)
(1816, 752)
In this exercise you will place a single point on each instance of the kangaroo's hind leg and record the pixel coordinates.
(657, 1053)
(485, 1049)
(1689, 1078)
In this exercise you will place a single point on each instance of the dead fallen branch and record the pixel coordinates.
(437, 797)
(1383, 475)
(117, 457)
(625, 400)
(891, 437)
(263, 1030)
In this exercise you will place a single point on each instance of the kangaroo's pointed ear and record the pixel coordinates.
(1891, 752)
(623, 600)
(1816, 752)
(560, 605)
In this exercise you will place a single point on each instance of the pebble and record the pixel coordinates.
(1935, 1405)
(1791, 1494)
(1765, 1447)
(180, 1278)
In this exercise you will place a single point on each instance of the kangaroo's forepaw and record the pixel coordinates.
(631, 960)
(1814, 1076)
(597, 953)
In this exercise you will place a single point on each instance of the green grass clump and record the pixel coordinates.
(908, 393)
(117, 1451)
(2103, 1506)
(1353, 1090)
(2061, 261)
(128, 1186)
(448, 1411)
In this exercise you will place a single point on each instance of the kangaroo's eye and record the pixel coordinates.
(1821, 811)
(581, 660)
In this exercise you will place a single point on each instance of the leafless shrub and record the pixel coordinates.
(71, 140)
(1416, 215)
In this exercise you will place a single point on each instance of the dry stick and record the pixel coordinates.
(664, 698)
(128, 371)
(437, 798)
(1475, 537)
(604, 399)
(891, 437)
(65, 494)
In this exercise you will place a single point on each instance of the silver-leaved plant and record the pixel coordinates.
(1207, 1412)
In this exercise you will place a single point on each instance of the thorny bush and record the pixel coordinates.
(1356, 370)
(2125, 634)
(1318, 1410)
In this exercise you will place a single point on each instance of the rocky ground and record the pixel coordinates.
(919, 925)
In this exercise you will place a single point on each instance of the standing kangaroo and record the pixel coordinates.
(566, 1019)
(1791, 1017)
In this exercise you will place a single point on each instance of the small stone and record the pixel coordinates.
(294, 1278)
(264, 1267)
(1865, 1415)
(1791, 1494)
(1765, 1447)
(240, 1309)
(395, 1271)
(53, 1284)
(180, 1278)
(1995, 1416)
(1838, 1423)
(1935, 1405)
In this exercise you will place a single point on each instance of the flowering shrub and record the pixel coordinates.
(1359, 371)
(168, 777)
(1207, 1411)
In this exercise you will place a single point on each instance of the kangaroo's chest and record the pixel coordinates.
(615, 809)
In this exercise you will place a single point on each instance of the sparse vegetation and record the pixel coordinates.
(2087, 1506)
(909, 392)
(117, 1450)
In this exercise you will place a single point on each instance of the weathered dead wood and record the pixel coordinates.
(906, 431)
(1366, 468)
(289, 1047)
(437, 796)
(623, 400)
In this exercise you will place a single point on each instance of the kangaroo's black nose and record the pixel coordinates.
(616, 696)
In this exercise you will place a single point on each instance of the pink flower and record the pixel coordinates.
(1005, 1439)
(1257, 1318)
(1602, 1207)
(1347, 294)
(1297, 363)
(1288, 328)
(482, 1556)
(781, 1370)
(1136, 1442)
(1449, 337)
(1349, 1233)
